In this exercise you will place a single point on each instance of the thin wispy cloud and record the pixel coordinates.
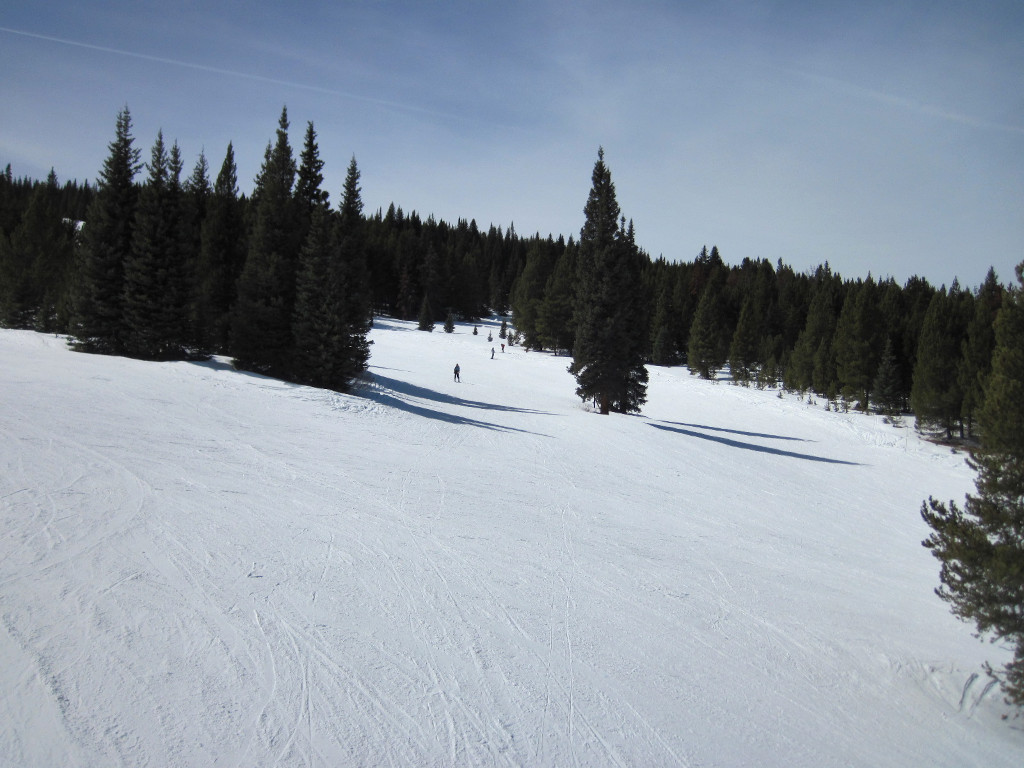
(231, 73)
(911, 105)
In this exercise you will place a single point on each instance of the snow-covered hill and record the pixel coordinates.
(200, 567)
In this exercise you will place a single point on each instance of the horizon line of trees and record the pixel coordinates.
(171, 267)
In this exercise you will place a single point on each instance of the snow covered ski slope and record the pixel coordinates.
(200, 566)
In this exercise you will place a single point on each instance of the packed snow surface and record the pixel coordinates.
(200, 566)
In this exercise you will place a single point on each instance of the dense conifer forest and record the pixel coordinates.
(153, 263)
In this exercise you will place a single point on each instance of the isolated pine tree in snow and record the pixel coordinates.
(608, 355)
(981, 547)
(449, 322)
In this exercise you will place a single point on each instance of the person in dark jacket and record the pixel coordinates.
(457, 372)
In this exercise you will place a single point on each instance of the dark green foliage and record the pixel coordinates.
(221, 256)
(528, 291)
(555, 325)
(981, 546)
(812, 363)
(857, 343)
(822, 333)
(426, 321)
(611, 330)
(936, 397)
(332, 312)
(886, 391)
(36, 265)
(977, 348)
(703, 356)
(449, 322)
(261, 327)
(743, 351)
(98, 323)
(155, 278)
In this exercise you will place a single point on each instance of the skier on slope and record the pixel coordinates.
(457, 372)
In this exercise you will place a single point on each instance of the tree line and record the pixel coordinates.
(281, 281)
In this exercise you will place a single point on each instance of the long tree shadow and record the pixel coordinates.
(752, 447)
(390, 392)
(412, 390)
(738, 432)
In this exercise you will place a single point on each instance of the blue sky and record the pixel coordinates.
(882, 137)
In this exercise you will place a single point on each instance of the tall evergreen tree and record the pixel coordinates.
(812, 363)
(702, 357)
(221, 256)
(261, 326)
(332, 311)
(611, 329)
(98, 323)
(745, 341)
(886, 390)
(355, 257)
(856, 342)
(981, 547)
(555, 316)
(156, 297)
(977, 347)
(936, 396)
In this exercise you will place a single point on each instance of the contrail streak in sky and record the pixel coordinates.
(228, 72)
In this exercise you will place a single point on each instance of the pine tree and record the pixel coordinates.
(555, 316)
(977, 348)
(449, 322)
(221, 256)
(702, 349)
(155, 299)
(355, 257)
(309, 192)
(856, 343)
(318, 325)
(936, 396)
(886, 389)
(426, 322)
(610, 333)
(261, 326)
(981, 547)
(812, 363)
(744, 348)
(332, 304)
(98, 323)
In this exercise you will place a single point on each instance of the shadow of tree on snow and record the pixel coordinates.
(395, 394)
(737, 431)
(751, 446)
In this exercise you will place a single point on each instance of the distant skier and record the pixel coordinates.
(457, 372)
(492, 353)
(502, 347)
